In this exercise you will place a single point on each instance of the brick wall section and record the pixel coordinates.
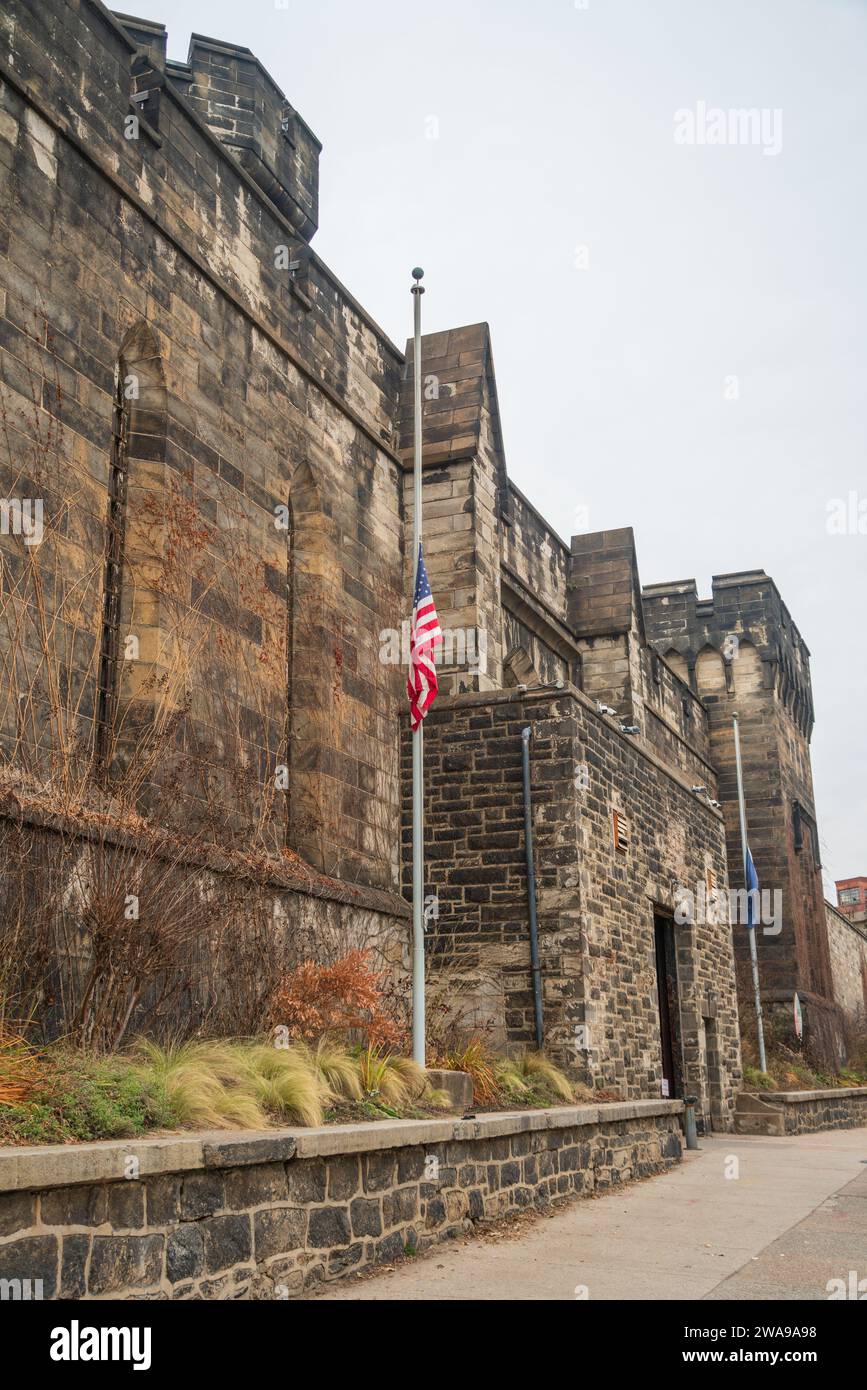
(276, 1216)
(595, 903)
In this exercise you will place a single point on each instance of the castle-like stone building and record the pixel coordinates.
(199, 629)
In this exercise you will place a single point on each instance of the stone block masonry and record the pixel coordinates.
(604, 897)
(261, 1216)
(801, 1112)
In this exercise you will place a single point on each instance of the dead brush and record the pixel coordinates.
(20, 1068)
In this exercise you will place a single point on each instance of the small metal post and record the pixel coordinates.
(689, 1126)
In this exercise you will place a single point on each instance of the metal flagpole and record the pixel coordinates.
(418, 1022)
(751, 930)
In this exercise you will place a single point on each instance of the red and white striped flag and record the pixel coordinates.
(425, 636)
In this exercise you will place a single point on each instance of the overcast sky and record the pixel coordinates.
(678, 327)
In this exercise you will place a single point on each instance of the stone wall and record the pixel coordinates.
(232, 1216)
(801, 1112)
(259, 387)
(848, 944)
(217, 930)
(596, 901)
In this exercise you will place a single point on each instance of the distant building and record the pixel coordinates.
(852, 898)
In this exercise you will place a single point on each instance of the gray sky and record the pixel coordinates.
(694, 370)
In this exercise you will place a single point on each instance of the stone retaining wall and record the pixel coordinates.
(801, 1112)
(217, 1216)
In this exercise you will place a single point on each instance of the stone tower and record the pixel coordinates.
(741, 653)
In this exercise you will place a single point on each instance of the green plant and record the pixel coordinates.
(758, 1080)
(80, 1097)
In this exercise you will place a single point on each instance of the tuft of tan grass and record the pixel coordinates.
(287, 1083)
(437, 1098)
(340, 1070)
(537, 1069)
(386, 1077)
(206, 1084)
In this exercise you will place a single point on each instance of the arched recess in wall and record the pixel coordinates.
(518, 669)
(677, 661)
(710, 676)
(747, 669)
(128, 636)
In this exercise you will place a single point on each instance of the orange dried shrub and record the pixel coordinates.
(20, 1068)
(314, 1001)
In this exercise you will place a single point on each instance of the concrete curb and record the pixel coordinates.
(60, 1165)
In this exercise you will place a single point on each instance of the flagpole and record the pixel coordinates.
(418, 1021)
(751, 930)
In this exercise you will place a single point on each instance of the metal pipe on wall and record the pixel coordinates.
(526, 735)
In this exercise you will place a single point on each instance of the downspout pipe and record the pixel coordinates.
(536, 969)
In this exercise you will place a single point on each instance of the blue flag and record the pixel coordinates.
(752, 891)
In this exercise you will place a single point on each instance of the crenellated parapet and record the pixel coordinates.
(744, 634)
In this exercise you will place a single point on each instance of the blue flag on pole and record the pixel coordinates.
(752, 891)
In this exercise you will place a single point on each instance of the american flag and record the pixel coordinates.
(425, 636)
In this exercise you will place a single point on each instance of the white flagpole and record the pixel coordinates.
(418, 1021)
(751, 931)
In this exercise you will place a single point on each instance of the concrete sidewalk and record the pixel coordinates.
(692, 1233)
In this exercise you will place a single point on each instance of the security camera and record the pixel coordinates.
(700, 791)
(717, 805)
(605, 709)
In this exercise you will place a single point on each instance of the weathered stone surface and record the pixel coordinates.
(305, 1181)
(741, 650)
(163, 1200)
(277, 1230)
(73, 1266)
(801, 1112)
(74, 1206)
(30, 1266)
(126, 1205)
(379, 1171)
(328, 1226)
(185, 1253)
(227, 1241)
(263, 1150)
(343, 1178)
(366, 1217)
(201, 1195)
(400, 1206)
(17, 1212)
(124, 1262)
(255, 1186)
(458, 1085)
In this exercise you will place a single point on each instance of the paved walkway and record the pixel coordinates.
(795, 1217)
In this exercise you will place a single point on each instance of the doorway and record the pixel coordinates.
(669, 1005)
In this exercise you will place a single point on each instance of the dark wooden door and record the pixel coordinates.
(669, 1013)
